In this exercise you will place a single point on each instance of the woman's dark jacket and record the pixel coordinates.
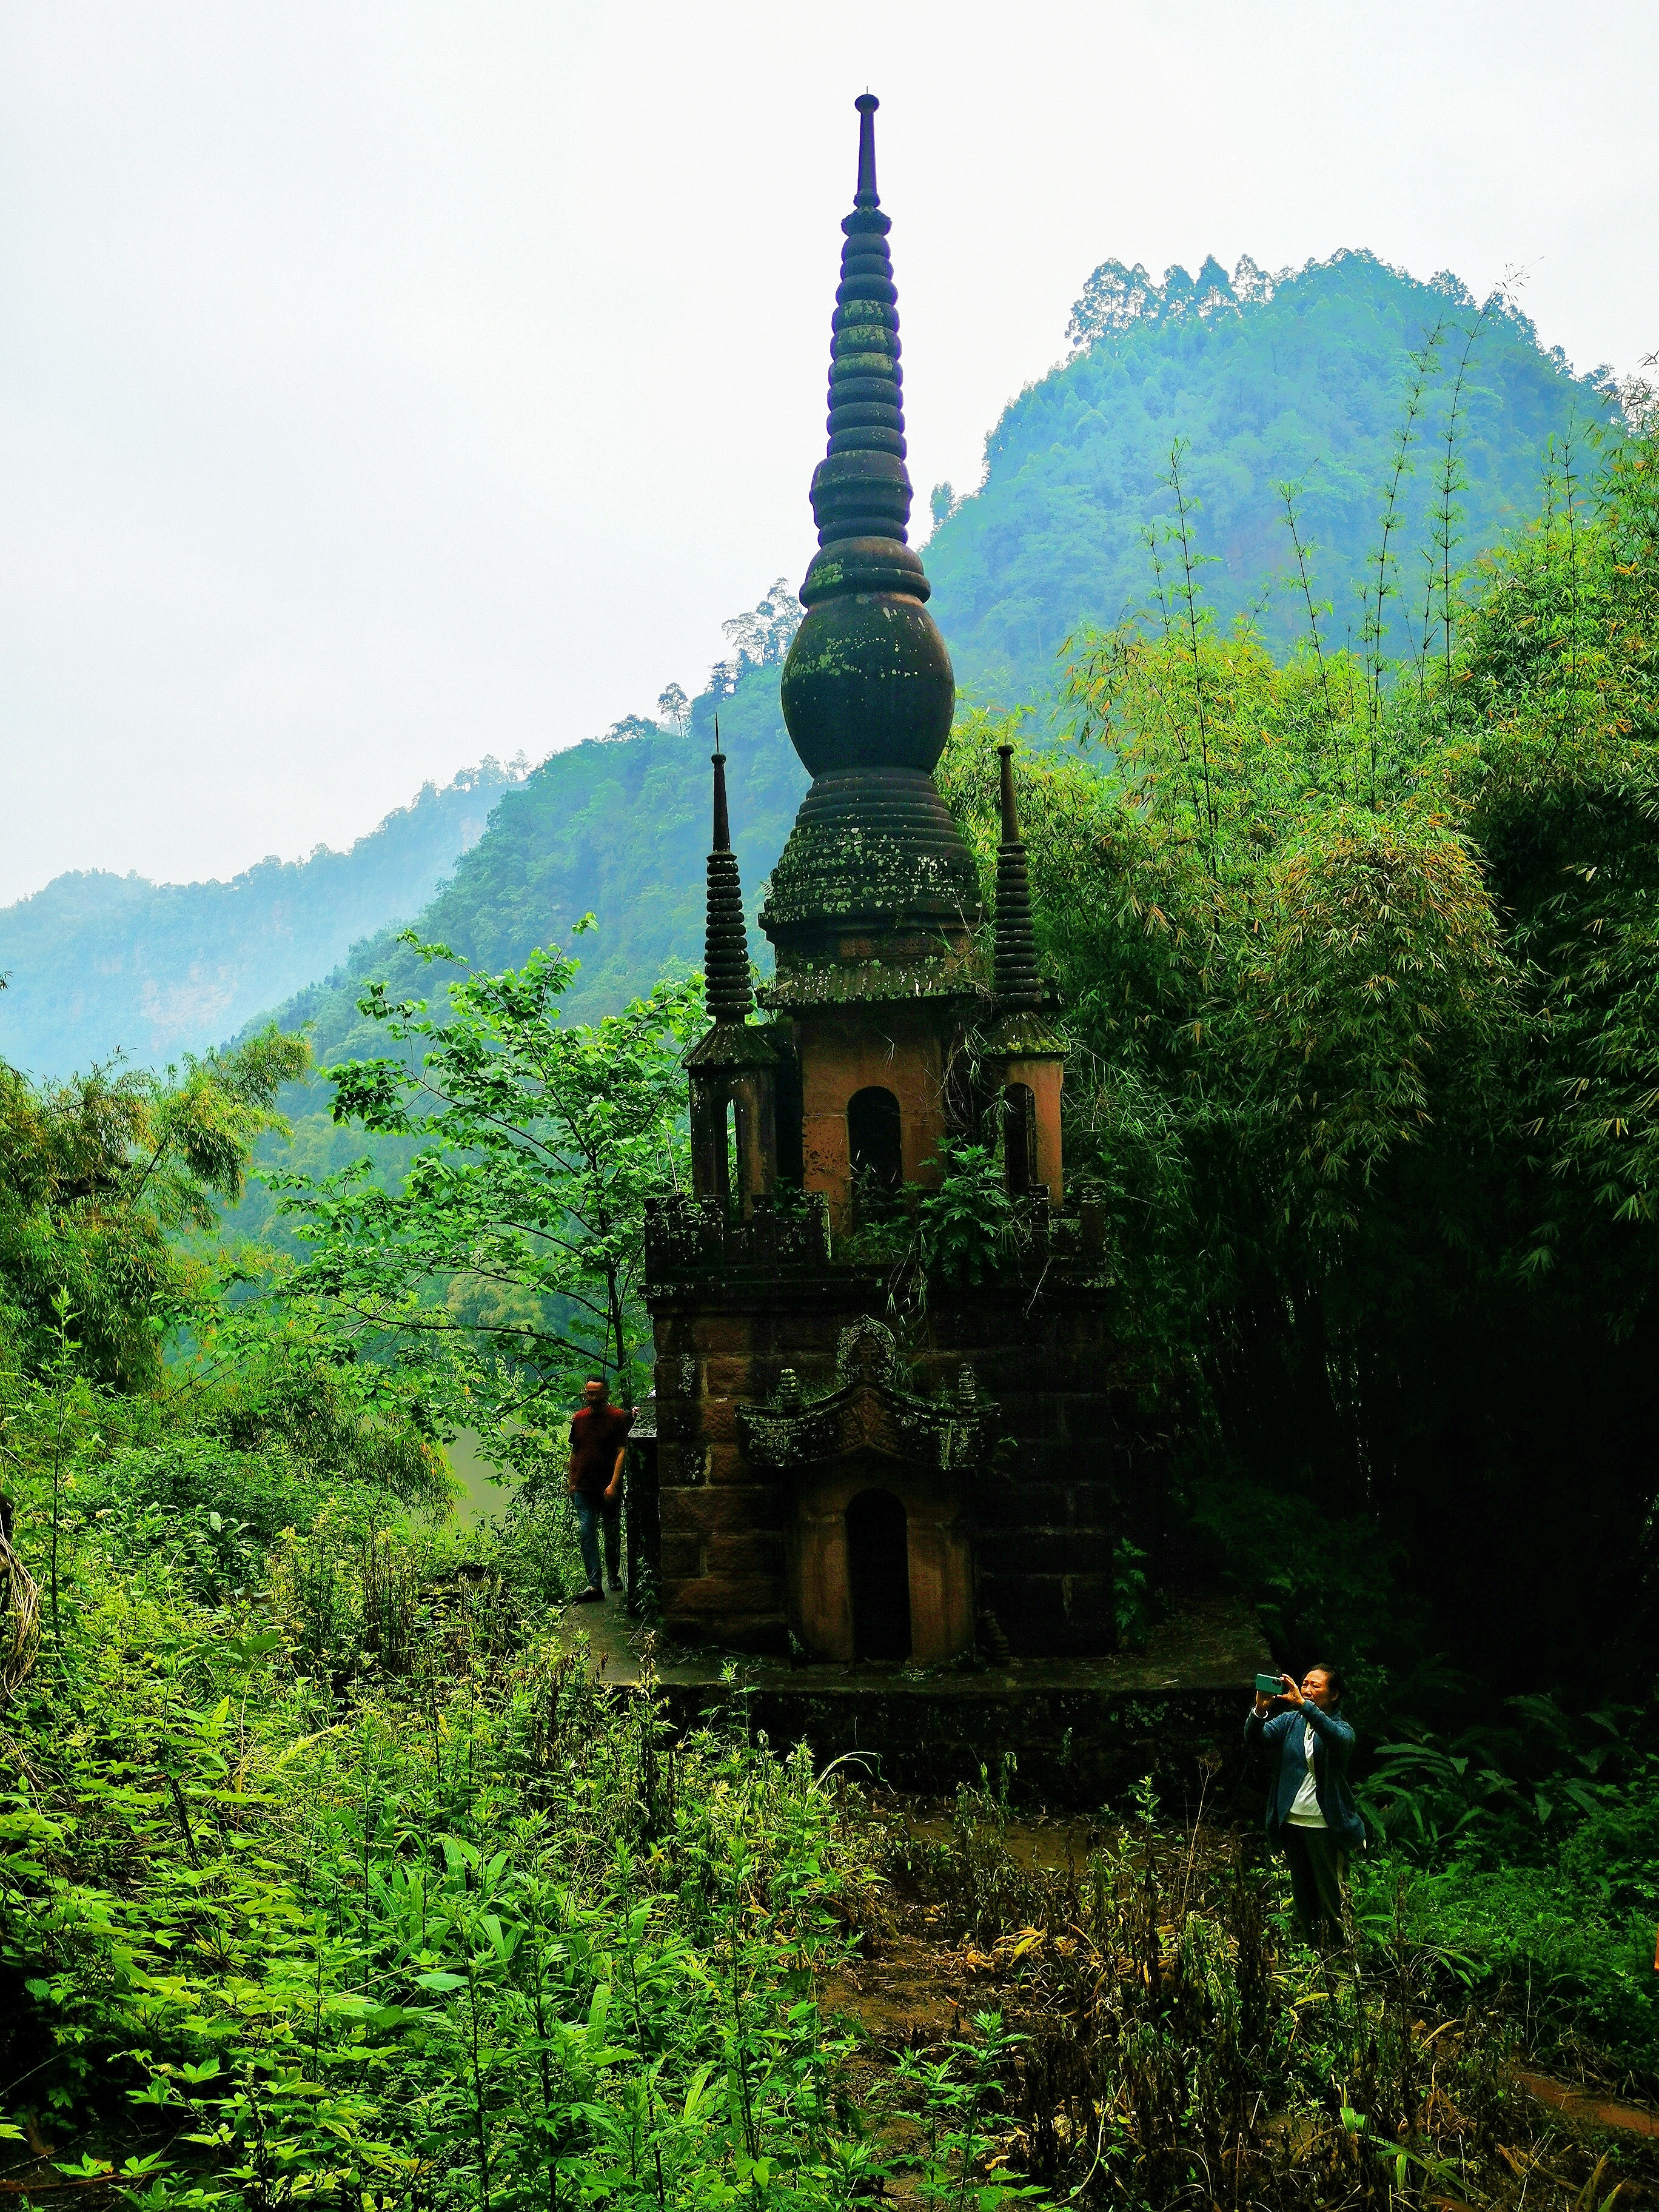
(1333, 1742)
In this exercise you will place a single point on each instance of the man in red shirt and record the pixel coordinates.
(599, 1437)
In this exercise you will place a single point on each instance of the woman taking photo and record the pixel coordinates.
(1311, 1814)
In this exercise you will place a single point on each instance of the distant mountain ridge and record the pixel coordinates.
(1295, 377)
(1259, 372)
(99, 964)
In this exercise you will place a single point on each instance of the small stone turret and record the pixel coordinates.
(1022, 1039)
(734, 1065)
(726, 939)
(1014, 969)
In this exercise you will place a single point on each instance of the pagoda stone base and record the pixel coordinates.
(1062, 1732)
(767, 1393)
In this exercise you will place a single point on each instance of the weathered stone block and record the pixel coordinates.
(1021, 1504)
(1000, 1370)
(727, 1593)
(1052, 1459)
(748, 1551)
(1088, 1595)
(1034, 1417)
(686, 1511)
(758, 1506)
(677, 1422)
(1065, 1552)
(1050, 1615)
(717, 1420)
(673, 1460)
(937, 1372)
(731, 1335)
(682, 1558)
(727, 1465)
(805, 1335)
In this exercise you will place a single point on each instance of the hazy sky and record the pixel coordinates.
(386, 384)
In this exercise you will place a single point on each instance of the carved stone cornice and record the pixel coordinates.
(869, 1410)
(689, 1238)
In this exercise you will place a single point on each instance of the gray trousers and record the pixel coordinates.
(1315, 1859)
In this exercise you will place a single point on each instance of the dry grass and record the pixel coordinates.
(1181, 2050)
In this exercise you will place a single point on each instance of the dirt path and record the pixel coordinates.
(1585, 2108)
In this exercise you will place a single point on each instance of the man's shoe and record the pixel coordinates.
(588, 1597)
(616, 1587)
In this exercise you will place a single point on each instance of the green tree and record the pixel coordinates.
(1298, 376)
(1556, 696)
(102, 1176)
(1366, 1072)
(507, 1263)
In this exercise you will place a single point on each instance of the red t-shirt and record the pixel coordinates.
(597, 1434)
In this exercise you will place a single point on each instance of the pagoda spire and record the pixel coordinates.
(867, 682)
(861, 488)
(725, 940)
(1014, 969)
(867, 690)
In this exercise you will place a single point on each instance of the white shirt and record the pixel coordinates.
(1304, 1813)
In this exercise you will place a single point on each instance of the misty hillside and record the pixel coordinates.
(100, 963)
(1298, 378)
(1301, 378)
(617, 827)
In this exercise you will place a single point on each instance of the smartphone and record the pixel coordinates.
(1269, 1686)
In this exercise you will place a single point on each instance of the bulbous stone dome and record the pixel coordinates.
(868, 691)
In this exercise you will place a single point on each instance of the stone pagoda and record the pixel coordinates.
(856, 1461)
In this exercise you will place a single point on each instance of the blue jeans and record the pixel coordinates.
(594, 1512)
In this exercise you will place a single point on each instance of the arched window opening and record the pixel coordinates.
(732, 1145)
(878, 1571)
(711, 1140)
(874, 1143)
(1019, 1137)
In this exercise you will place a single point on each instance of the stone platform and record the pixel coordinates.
(1081, 1732)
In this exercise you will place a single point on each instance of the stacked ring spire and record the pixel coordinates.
(868, 692)
(725, 940)
(862, 488)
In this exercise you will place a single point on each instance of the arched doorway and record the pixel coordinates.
(874, 1143)
(878, 1570)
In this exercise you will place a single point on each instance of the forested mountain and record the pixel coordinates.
(1306, 377)
(1311, 378)
(1302, 379)
(100, 963)
(617, 827)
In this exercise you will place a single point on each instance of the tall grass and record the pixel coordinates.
(353, 1885)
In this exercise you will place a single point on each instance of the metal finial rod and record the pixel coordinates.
(866, 104)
